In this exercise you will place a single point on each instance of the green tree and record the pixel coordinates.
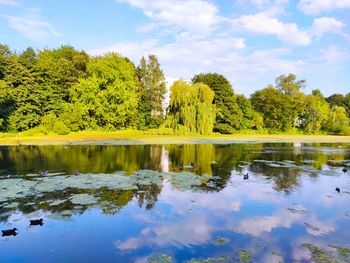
(336, 100)
(28, 58)
(107, 98)
(338, 120)
(191, 108)
(250, 119)
(229, 115)
(20, 105)
(56, 71)
(316, 113)
(283, 105)
(153, 90)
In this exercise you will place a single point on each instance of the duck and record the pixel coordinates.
(337, 189)
(344, 170)
(246, 176)
(9, 232)
(35, 222)
(43, 173)
(76, 173)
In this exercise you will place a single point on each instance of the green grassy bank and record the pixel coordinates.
(124, 138)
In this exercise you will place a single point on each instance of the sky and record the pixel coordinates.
(250, 42)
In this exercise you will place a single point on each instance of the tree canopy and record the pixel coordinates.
(63, 89)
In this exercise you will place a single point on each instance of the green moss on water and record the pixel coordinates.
(220, 241)
(321, 255)
(208, 260)
(162, 258)
(244, 256)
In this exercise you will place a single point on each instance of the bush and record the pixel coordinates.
(345, 131)
(224, 128)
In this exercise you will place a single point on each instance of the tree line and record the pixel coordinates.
(65, 90)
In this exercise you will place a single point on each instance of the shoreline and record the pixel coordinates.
(135, 139)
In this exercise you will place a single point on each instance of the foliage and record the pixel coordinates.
(65, 90)
(228, 112)
(316, 113)
(152, 92)
(338, 120)
(282, 105)
(107, 98)
(191, 108)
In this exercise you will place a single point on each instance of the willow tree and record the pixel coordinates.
(191, 108)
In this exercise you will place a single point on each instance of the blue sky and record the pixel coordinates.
(249, 41)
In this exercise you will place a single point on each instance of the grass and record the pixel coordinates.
(138, 137)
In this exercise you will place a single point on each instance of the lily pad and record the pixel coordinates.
(162, 258)
(83, 199)
(244, 256)
(220, 241)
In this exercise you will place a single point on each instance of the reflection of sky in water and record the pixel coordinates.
(270, 215)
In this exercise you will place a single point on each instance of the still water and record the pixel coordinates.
(148, 203)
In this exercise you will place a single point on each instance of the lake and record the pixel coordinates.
(176, 203)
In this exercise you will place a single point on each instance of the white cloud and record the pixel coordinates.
(8, 2)
(313, 7)
(196, 16)
(264, 3)
(179, 233)
(33, 28)
(265, 24)
(324, 25)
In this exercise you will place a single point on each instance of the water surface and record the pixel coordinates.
(135, 204)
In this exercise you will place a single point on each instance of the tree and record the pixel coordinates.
(336, 100)
(269, 102)
(250, 119)
(338, 119)
(191, 108)
(283, 105)
(107, 98)
(153, 90)
(316, 113)
(228, 117)
(56, 71)
(20, 106)
(28, 58)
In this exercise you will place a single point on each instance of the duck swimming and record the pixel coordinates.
(36, 222)
(76, 173)
(9, 232)
(337, 189)
(246, 176)
(345, 170)
(43, 173)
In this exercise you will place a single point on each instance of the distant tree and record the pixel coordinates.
(20, 102)
(338, 119)
(28, 58)
(56, 71)
(250, 119)
(191, 108)
(229, 115)
(316, 113)
(153, 90)
(347, 104)
(107, 98)
(336, 100)
(282, 105)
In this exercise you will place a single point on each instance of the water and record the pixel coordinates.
(155, 212)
